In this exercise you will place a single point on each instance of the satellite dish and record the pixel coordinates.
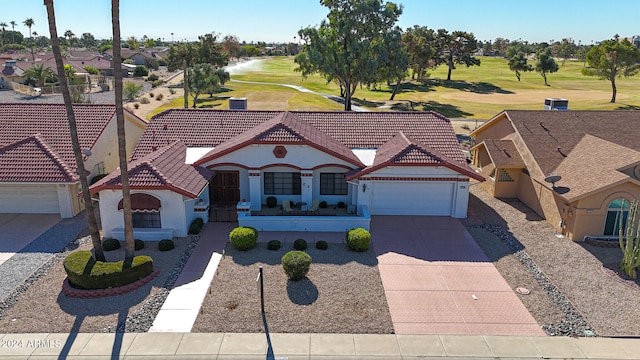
(86, 152)
(553, 179)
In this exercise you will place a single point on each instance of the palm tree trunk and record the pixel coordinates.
(129, 246)
(91, 216)
(185, 84)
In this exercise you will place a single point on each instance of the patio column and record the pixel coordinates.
(306, 179)
(255, 193)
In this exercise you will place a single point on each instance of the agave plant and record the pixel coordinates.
(630, 243)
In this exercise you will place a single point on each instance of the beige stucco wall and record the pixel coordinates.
(508, 189)
(497, 129)
(590, 212)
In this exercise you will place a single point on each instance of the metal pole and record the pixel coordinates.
(261, 290)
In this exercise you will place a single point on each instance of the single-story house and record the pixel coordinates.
(400, 163)
(38, 172)
(578, 169)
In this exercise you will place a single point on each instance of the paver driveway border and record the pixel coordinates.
(439, 281)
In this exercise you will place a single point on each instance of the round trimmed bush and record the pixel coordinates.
(144, 101)
(323, 204)
(272, 202)
(166, 245)
(358, 239)
(196, 226)
(300, 244)
(273, 245)
(110, 244)
(296, 264)
(341, 205)
(243, 238)
(322, 245)
(138, 244)
(85, 272)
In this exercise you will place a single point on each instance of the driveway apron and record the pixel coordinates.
(439, 281)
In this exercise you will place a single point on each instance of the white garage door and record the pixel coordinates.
(412, 198)
(30, 199)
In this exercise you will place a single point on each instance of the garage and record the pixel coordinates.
(31, 198)
(412, 198)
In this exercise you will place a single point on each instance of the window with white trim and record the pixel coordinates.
(146, 219)
(617, 212)
(333, 184)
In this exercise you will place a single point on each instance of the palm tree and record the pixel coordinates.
(13, 29)
(91, 216)
(29, 23)
(129, 245)
(3, 25)
(40, 73)
(69, 35)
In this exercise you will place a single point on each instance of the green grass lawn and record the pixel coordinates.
(475, 92)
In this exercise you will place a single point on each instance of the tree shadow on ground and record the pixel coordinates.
(448, 110)
(365, 102)
(474, 87)
(302, 292)
(628, 107)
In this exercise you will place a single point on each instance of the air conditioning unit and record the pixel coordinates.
(237, 103)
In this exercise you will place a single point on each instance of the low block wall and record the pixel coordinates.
(306, 223)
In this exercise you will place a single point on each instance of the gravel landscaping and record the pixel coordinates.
(342, 293)
(39, 305)
(572, 292)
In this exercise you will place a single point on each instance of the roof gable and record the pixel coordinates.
(162, 169)
(503, 153)
(284, 128)
(33, 160)
(404, 151)
(593, 165)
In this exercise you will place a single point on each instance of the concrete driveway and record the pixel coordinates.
(18, 230)
(438, 281)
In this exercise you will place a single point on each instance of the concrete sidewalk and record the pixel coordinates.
(308, 346)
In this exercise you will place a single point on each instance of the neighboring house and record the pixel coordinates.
(38, 171)
(578, 169)
(375, 163)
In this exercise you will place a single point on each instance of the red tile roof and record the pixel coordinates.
(20, 121)
(355, 130)
(284, 128)
(33, 160)
(404, 151)
(162, 169)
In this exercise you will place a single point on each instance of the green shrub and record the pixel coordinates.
(159, 97)
(196, 226)
(110, 244)
(157, 83)
(166, 245)
(91, 70)
(296, 264)
(144, 101)
(358, 239)
(85, 272)
(300, 244)
(272, 202)
(152, 77)
(151, 95)
(341, 205)
(322, 204)
(322, 245)
(140, 70)
(243, 238)
(136, 105)
(138, 244)
(172, 92)
(273, 245)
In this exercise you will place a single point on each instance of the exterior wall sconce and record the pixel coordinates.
(364, 187)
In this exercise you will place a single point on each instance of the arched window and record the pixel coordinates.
(145, 210)
(617, 210)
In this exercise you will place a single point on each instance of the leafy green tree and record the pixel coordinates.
(456, 48)
(91, 70)
(131, 90)
(88, 40)
(545, 64)
(202, 79)
(612, 59)
(346, 48)
(223, 77)
(73, 130)
(566, 49)
(248, 51)
(140, 70)
(39, 73)
(69, 72)
(133, 43)
(231, 46)
(182, 56)
(420, 46)
(518, 63)
(209, 51)
(3, 25)
(394, 61)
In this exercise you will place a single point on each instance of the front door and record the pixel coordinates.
(225, 188)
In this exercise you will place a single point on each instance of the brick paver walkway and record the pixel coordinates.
(438, 281)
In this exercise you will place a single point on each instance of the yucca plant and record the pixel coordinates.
(630, 242)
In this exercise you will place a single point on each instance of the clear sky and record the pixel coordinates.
(279, 20)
